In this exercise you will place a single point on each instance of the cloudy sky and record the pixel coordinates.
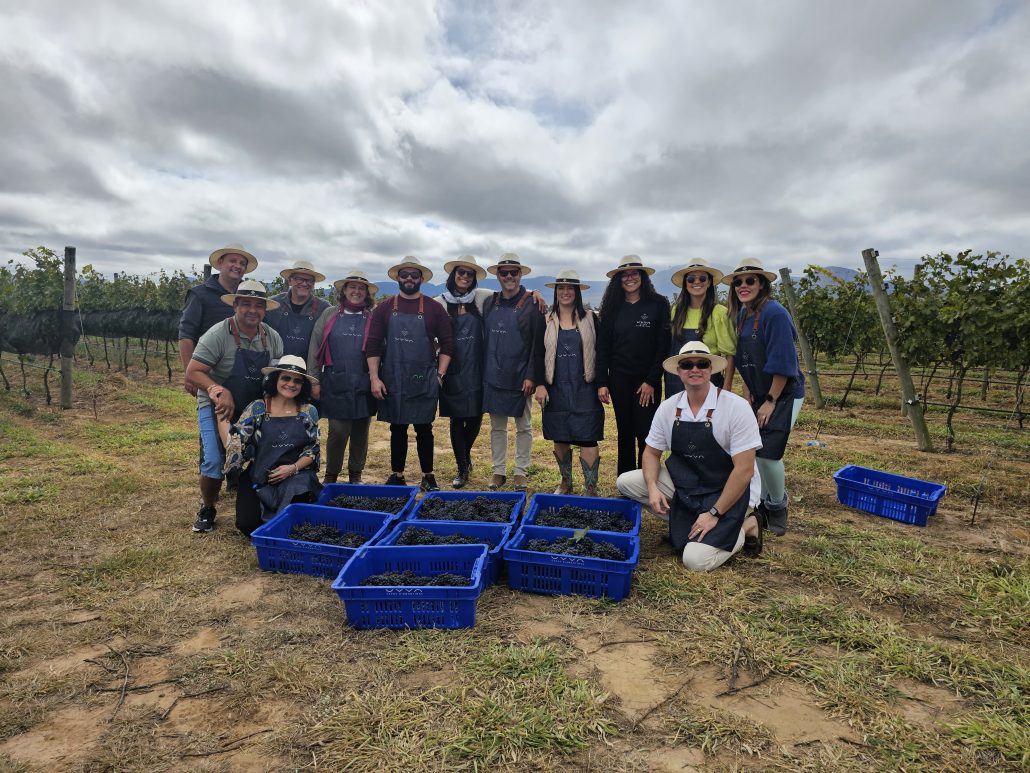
(353, 133)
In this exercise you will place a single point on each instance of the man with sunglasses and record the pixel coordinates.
(299, 308)
(709, 484)
(513, 366)
(403, 333)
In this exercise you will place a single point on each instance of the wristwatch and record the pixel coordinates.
(715, 511)
(770, 399)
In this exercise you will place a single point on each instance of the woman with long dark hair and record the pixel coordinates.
(278, 435)
(767, 360)
(571, 411)
(337, 353)
(633, 338)
(698, 316)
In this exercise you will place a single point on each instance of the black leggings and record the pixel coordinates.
(399, 447)
(632, 421)
(464, 432)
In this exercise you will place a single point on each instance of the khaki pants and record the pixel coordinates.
(697, 556)
(523, 441)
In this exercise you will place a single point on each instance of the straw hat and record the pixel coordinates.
(749, 266)
(251, 288)
(694, 349)
(509, 260)
(291, 363)
(630, 262)
(409, 262)
(466, 261)
(697, 264)
(216, 256)
(567, 278)
(356, 275)
(301, 267)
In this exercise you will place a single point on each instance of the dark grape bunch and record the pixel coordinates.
(409, 578)
(416, 536)
(570, 547)
(327, 535)
(375, 504)
(572, 517)
(478, 509)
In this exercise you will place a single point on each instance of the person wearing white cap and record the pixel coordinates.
(710, 481)
(278, 436)
(226, 370)
(698, 316)
(204, 307)
(299, 307)
(767, 359)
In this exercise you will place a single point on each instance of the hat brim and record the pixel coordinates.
(252, 262)
(450, 265)
(615, 271)
(718, 362)
(392, 271)
(373, 289)
(728, 279)
(556, 285)
(286, 273)
(273, 368)
(714, 273)
(269, 303)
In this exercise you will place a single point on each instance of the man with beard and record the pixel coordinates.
(299, 307)
(401, 334)
(204, 305)
(225, 370)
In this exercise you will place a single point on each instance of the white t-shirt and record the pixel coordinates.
(733, 424)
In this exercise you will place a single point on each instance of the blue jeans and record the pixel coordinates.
(212, 457)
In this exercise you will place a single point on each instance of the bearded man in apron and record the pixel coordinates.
(710, 484)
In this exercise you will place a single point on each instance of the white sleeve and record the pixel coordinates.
(744, 434)
(658, 436)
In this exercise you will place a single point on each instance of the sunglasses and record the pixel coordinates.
(303, 280)
(747, 280)
(291, 379)
(696, 279)
(409, 274)
(464, 272)
(509, 273)
(691, 364)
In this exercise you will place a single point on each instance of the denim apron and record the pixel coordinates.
(573, 411)
(507, 360)
(245, 378)
(462, 395)
(283, 438)
(750, 363)
(408, 370)
(346, 389)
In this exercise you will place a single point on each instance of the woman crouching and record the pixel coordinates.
(279, 437)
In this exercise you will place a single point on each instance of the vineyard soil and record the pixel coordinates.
(129, 643)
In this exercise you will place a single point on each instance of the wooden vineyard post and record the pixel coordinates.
(207, 272)
(806, 348)
(68, 327)
(908, 390)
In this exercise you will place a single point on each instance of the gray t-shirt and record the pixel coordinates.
(217, 348)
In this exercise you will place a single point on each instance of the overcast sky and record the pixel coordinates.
(353, 133)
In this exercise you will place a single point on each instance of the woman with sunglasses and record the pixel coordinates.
(336, 352)
(278, 435)
(767, 360)
(699, 316)
(633, 338)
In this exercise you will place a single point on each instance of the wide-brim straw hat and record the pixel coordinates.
(252, 262)
(509, 260)
(467, 261)
(251, 288)
(749, 266)
(301, 267)
(356, 275)
(291, 363)
(567, 278)
(696, 349)
(695, 265)
(409, 262)
(630, 262)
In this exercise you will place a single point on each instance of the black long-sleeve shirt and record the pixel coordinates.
(633, 341)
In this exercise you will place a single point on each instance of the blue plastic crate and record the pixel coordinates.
(276, 552)
(908, 500)
(415, 606)
(516, 499)
(627, 508)
(333, 490)
(497, 533)
(563, 575)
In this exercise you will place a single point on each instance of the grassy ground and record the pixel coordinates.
(128, 643)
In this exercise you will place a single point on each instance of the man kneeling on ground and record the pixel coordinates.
(710, 482)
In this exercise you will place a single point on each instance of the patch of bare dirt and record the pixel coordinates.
(924, 704)
(63, 736)
(204, 639)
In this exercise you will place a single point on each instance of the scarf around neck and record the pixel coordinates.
(468, 297)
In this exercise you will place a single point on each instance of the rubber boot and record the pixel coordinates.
(590, 476)
(565, 468)
(776, 516)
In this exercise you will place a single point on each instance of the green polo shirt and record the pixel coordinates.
(217, 349)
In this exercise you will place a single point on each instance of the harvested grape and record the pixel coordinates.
(417, 536)
(409, 578)
(478, 509)
(569, 546)
(572, 517)
(375, 504)
(327, 535)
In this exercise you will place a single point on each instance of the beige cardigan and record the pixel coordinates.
(587, 333)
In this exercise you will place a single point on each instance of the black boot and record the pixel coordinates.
(462, 477)
(776, 516)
